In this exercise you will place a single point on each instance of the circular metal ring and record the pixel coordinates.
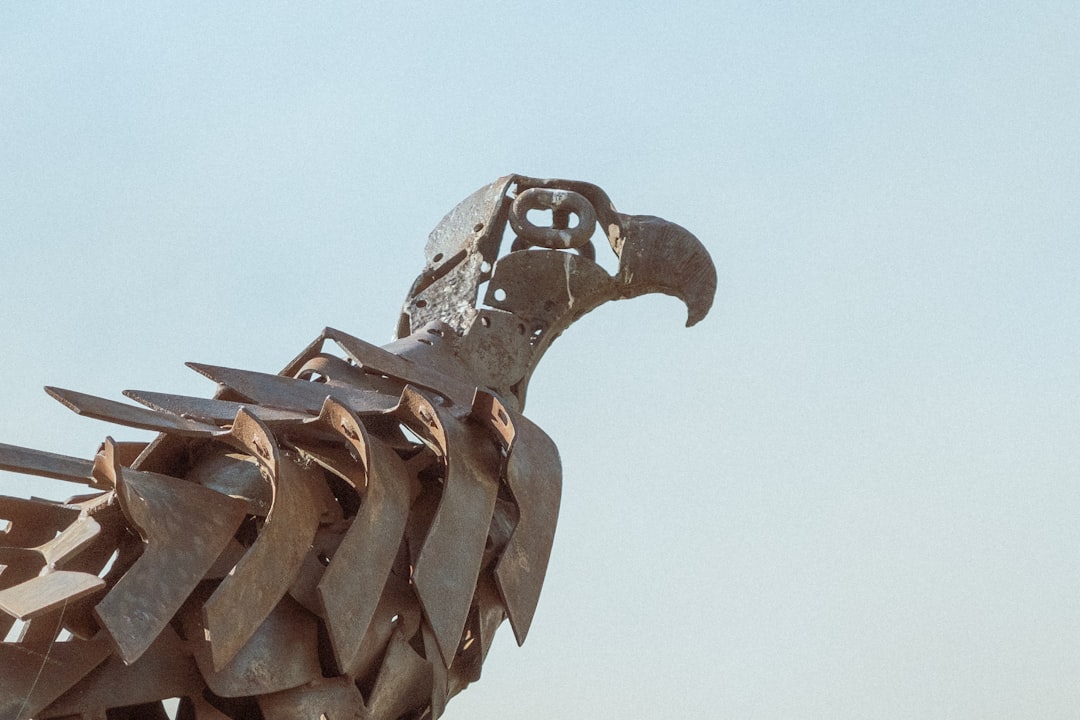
(561, 203)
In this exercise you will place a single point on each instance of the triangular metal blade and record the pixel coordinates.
(186, 526)
(377, 359)
(262, 577)
(534, 476)
(290, 394)
(448, 563)
(218, 412)
(45, 464)
(129, 415)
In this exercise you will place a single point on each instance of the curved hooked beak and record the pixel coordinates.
(659, 256)
(548, 279)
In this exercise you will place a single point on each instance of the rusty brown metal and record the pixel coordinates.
(179, 549)
(340, 539)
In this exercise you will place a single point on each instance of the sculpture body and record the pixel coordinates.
(340, 539)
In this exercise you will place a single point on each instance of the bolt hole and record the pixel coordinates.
(499, 295)
(421, 303)
(437, 258)
(425, 341)
(485, 267)
(478, 227)
(485, 321)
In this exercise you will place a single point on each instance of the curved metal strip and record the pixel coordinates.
(33, 522)
(659, 256)
(534, 476)
(185, 527)
(353, 582)
(449, 561)
(282, 653)
(262, 577)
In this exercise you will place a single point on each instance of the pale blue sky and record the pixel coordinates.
(851, 492)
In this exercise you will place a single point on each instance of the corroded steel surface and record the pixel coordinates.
(340, 539)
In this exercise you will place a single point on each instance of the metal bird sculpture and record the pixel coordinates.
(340, 539)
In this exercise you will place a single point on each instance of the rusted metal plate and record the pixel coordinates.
(439, 682)
(289, 394)
(398, 611)
(185, 527)
(449, 561)
(45, 593)
(490, 613)
(44, 464)
(376, 359)
(217, 412)
(41, 595)
(325, 699)
(534, 476)
(354, 580)
(260, 579)
(33, 522)
(282, 653)
(129, 415)
(459, 254)
(403, 683)
(165, 670)
(71, 541)
(236, 475)
(32, 675)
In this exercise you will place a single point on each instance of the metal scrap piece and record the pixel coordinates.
(286, 393)
(260, 579)
(353, 582)
(534, 476)
(376, 359)
(282, 653)
(130, 415)
(185, 527)
(217, 412)
(439, 680)
(33, 522)
(32, 675)
(45, 593)
(327, 698)
(166, 669)
(404, 681)
(44, 464)
(449, 561)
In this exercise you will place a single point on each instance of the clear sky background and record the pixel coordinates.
(853, 491)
